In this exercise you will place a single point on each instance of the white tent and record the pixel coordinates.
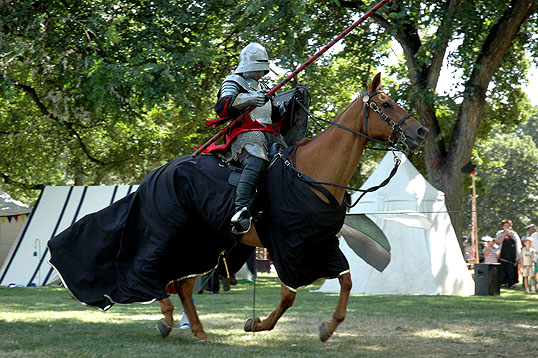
(425, 255)
(13, 215)
(57, 208)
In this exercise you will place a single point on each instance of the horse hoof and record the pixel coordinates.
(324, 334)
(249, 324)
(163, 328)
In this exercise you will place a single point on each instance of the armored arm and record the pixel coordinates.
(232, 101)
(226, 97)
(244, 100)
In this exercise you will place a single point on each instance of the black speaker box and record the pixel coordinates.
(487, 279)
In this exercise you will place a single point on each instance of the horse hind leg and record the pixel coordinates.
(254, 324)
(184, 289)
(327, 329)
(164, 326)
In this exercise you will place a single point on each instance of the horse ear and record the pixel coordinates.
(376, 83)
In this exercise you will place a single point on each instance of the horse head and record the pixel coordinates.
(385, 120)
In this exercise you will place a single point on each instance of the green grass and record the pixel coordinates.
(46, 322)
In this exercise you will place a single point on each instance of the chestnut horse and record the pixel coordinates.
(332, 156)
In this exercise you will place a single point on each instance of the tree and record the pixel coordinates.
(491, 38)
(91, 94)
(104, 91)
(97, 92)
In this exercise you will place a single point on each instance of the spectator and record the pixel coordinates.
(527, 264)
(534, 236)
(491, 251)
(481, 247)
(510, 248)
(466, 248)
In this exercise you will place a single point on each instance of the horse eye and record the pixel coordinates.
(385, 105)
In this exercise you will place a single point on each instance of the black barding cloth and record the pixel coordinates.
(175, 225)
(298, 228)
(178, 223)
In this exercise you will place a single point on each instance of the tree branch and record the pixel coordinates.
(489, 59)
(405, 33)
(31, 91)
(8, 180)
(69, 125)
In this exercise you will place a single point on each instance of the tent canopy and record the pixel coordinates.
(10, 206)
(13, 215)
(425, 254)
(56, 209)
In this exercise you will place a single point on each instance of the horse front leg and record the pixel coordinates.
(287, 297)
(327, 328)
(184, 290)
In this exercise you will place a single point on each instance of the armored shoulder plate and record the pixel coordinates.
(247, 85)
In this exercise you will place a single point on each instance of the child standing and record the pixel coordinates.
(527, 267)
(491, 251)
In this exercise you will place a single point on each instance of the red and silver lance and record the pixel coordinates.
(238, 120)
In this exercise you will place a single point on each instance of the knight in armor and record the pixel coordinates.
(256, 133)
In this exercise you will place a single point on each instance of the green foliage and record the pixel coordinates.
(507, 104)
(102, 92)
(507, 180)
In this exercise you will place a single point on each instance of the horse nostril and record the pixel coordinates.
(422, 132)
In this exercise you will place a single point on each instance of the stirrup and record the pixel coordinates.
(241, 222)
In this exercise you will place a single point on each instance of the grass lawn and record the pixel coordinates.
(46, 322)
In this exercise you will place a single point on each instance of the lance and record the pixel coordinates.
(344, 33)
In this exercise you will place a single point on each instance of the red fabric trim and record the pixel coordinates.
(217, 121)
(247, 125)
(225, 110)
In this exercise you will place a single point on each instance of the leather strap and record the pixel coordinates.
(305, 178)
(319, 185)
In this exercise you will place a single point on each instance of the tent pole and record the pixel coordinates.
(474, 231)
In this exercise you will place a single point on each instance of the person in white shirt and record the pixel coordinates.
(527, 264)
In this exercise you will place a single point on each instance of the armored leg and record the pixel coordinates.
(253, 167)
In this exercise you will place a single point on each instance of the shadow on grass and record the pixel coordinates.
(69, 338)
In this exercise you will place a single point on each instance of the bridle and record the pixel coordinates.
(396, 127)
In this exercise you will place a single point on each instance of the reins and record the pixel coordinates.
(400, 145)
(319, 184)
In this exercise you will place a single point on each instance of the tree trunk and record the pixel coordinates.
(446, 174)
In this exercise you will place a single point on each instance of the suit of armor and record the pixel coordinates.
(257, 132)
